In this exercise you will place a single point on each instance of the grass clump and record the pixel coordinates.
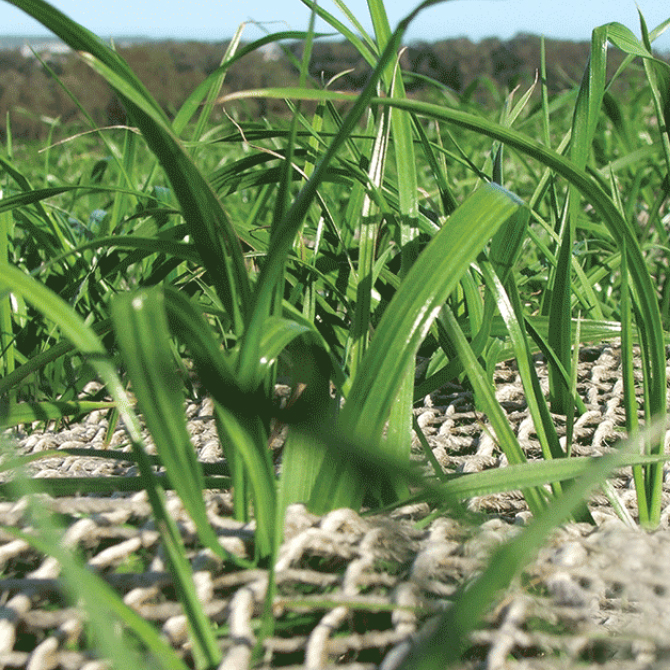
(330, 251)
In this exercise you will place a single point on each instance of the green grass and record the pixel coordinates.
(332, 249)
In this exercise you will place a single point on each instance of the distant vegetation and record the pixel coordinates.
(171, 70)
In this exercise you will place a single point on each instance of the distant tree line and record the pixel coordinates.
(171, 70)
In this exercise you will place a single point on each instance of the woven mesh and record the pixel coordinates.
(352, 591)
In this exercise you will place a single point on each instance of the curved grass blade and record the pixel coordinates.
(586, 116)
(31, 195)
(369, 218)
(7, 338)
(194, 101)
(212, 93)
(80, 39)
(509, 306)
(213, 234)
(399, 435)
(364, 45)
(402, 329)
(418, 300)
(148, 245)
(141, 329)
(531, 474)
(630, 401)
(507, 440)
(73, 486)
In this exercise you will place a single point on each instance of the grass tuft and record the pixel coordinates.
(174, 256)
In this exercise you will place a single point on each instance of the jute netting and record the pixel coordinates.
(354, 591)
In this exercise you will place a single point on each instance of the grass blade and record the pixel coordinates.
(240, 415)
(142, 331)
(586, 116)
(16, 414)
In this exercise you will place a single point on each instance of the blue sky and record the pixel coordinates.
(217, 19)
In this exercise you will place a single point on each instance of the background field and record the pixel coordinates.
(172, 69)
